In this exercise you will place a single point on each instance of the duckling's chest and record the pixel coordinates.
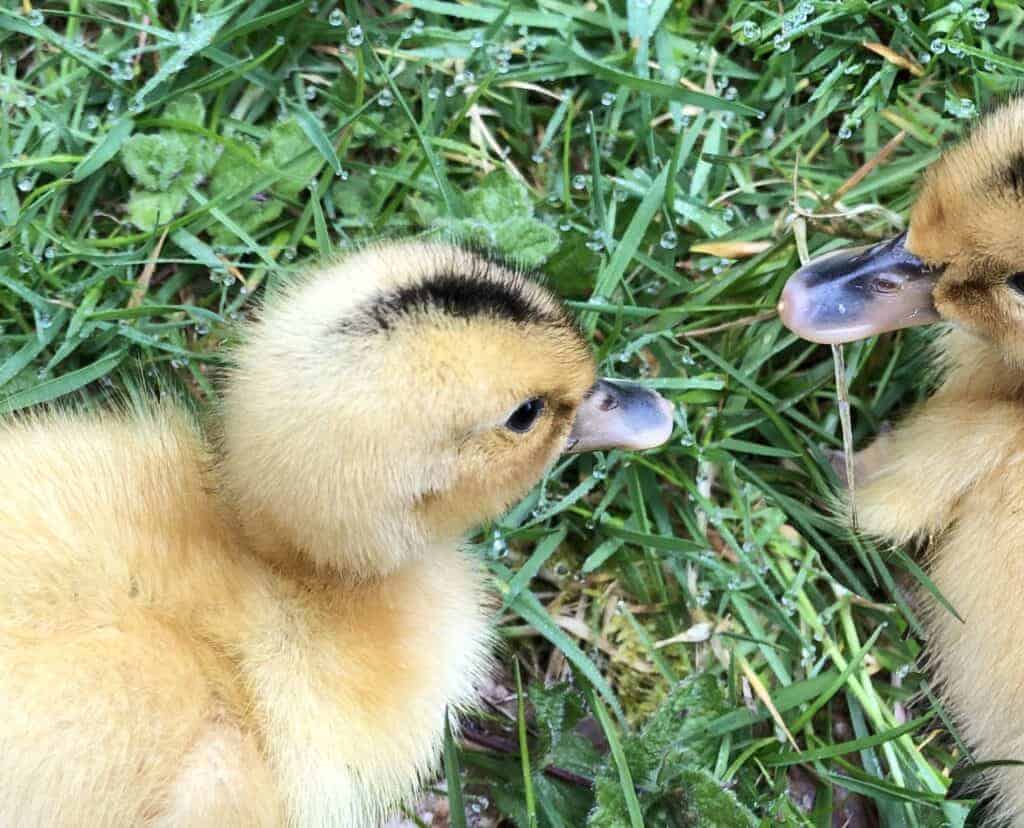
(350, 685)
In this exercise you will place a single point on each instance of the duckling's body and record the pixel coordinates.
(178, 646)
(951, 477)
(166, 675)
(953, 474)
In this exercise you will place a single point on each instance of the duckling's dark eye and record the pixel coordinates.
(1016, 281)
(523, 418)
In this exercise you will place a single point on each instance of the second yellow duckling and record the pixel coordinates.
(953, 474)
(267, 629)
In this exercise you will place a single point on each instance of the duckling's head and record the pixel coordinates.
(962, 258)
(393, 400)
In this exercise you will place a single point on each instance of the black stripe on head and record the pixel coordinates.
(474, 291)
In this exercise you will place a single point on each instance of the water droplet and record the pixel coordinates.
(900, 14)
(279, 40)
(25, 184)
(748, 32)
(668, 240)
(310, 93)
(35, 18)
(579, 182)
(417, 25)
(781, 44)
(433, 93)
(50, 252)
(477, 40)
(730, 93)
(342, 175)
(336, 18)
(845, 133)
(956, 48)
(961, 107)
(91, 122)
(608, 98)
(355, 36)
(385, 99)
(451, 90)
(938, 46)
(597, 241)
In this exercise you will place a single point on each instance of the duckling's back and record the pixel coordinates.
(110, 544)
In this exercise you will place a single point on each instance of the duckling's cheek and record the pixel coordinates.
(969, 303)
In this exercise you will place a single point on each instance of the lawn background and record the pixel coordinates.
(698, 643)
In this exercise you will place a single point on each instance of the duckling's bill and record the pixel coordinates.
(617, 414)
(859, 292)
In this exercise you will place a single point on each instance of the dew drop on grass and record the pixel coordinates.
(355, 36)
(451, 90)
(748, 32)
(92, 122)
(433, 93)
(25, 184)
(900, 14)
(938, 46)
(608, 98)
(477, 40)
(35, 18)
(781, 44)
(385, 99)
(342, 175)
(668, 240)
(336, 18)
(579, 182)
(279, 40)
(310, 93)
(845, 133)
(417, 25)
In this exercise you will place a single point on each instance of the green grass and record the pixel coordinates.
(279, 132)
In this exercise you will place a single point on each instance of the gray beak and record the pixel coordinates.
(856, 293)
(617, 414)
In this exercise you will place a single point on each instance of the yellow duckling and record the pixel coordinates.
(952, 474)
(267, 628)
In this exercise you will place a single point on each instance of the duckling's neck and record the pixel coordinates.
(975, 369)
(352, 555)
